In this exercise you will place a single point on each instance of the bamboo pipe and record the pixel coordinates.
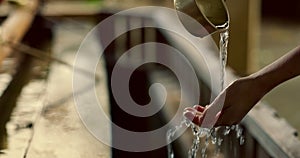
(15, 26)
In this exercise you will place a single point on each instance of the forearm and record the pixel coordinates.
(281, 70)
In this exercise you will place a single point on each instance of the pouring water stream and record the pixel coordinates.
(210, 135)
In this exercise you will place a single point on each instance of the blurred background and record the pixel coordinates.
(279, 34)
(38, 117)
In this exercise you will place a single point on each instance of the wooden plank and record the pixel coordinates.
(60, 131)
(83, 8)
(61, 8)
(19, 128)
(274, 134)
(261, 153)
(68, 9)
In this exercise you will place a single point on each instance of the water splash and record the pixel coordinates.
(210, 136)
(198, 132)
(171, 133)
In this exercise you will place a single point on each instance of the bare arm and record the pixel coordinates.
(232, 104)
(281, 70)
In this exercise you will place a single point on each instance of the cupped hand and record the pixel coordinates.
(230, 106)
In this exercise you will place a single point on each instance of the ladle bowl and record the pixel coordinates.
(212, 15)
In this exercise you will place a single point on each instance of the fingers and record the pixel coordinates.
(210, 116)
(194, 115)
(199, 108)
(203, 116)
(205, 121)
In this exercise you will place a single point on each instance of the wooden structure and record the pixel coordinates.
(16, 25)
(12, 31)
(56, 122)
(244, 35)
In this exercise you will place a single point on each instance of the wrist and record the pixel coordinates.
(261, 83)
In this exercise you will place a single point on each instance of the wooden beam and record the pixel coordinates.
(15, 26)
(59, 132)
(66, 8)
(70, 9)
(244, 29)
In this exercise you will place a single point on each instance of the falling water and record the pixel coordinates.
(171, 133)
(224, 36)
(211, 135)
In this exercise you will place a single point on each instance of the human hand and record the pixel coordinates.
(230, 106)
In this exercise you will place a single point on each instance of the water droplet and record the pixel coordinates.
(232, 127)
(220, 140)
(239, 132)
(203, 152)
(227, 130)
(187, 122)
(242, 140)
(214, 140)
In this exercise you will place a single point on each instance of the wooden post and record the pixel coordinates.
(16, 25)
(244, 29)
